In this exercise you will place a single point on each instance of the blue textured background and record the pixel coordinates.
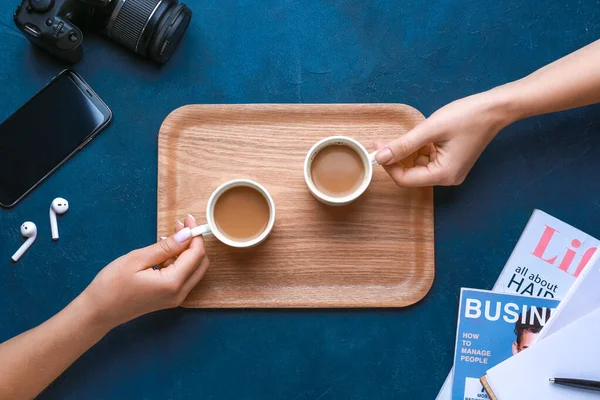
(416, 52)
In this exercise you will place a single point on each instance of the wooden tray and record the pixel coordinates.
(376, 252)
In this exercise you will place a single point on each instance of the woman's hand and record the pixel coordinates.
(442, 149)
(129, 286)
(126, 288)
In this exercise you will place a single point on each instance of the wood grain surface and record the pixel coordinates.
(375, 252)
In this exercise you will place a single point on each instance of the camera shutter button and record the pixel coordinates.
(73, 36)
(41, 6)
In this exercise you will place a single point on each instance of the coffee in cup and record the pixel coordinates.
(240, 213)
(338, 169)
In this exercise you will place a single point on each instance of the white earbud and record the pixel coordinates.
(29, 230)
(58, 206)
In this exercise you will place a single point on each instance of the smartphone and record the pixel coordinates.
(48, 130)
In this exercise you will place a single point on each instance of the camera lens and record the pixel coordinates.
(152, 28)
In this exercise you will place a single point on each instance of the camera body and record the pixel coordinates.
(151, 28)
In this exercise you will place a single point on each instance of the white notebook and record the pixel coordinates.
(572, 352)
(582, 298)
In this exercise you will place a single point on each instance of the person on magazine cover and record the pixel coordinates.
(527, 329)
(448, 144)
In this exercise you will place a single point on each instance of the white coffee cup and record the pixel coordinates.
(367, 159)
(211, 227)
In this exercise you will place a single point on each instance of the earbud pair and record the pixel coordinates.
(29, 230)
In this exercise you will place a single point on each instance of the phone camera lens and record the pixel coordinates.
(151, 28)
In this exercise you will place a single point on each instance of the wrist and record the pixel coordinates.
(505, 103)
(91, 315)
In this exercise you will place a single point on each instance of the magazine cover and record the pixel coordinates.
(548, 257)
(492, 327)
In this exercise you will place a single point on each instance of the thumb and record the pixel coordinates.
(402, 147)
(166, 249)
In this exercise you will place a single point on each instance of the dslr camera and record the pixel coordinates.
(151, 28)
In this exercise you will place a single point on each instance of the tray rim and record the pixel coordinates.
(322, 108)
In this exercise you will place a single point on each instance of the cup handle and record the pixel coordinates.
(203, 230)
(372, 158)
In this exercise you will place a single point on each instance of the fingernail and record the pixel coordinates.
(183, 235)
(192, 217)
(384, 156)
(163, 237)
(179, 223)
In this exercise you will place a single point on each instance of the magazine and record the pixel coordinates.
(492, 327)
(548, 257)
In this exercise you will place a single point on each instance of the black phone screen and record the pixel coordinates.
(45, 132)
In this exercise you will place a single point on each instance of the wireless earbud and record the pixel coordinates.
(29, 230)
(58, 206)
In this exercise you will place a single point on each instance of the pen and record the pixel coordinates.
(577, 383)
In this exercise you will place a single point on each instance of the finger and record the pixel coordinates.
(408, 161)
(187, 262)
(417, 176)
(170, 260)
(178, 226)
(167, 263)
(405, 145)
(162, 251)
(190, 221)
(422, 160)
(379, 144)
(430, 151)
(195, 278)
